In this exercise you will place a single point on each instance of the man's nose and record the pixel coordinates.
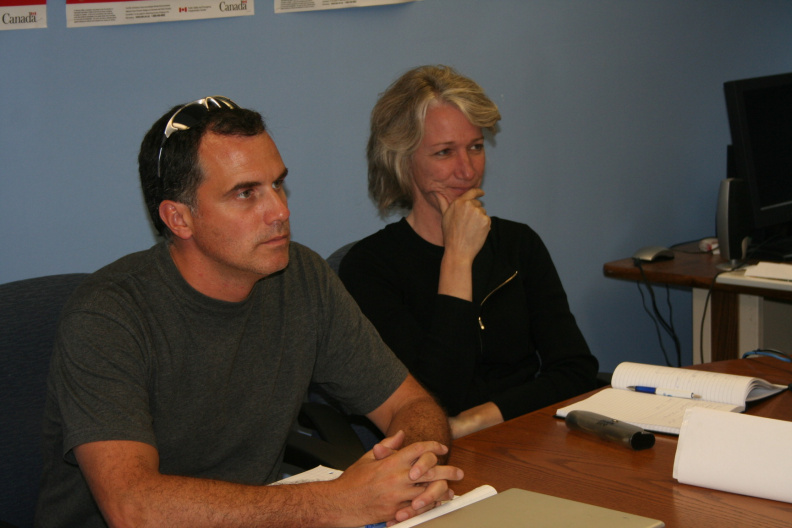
(277, 210)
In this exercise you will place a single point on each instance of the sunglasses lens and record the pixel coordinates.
(188, 117)
(221, 102)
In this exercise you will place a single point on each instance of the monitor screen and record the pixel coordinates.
(760, 119)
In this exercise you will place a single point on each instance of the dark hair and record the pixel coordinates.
(397, 127)
(180, 170)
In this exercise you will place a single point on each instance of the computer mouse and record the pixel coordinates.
(653, 254)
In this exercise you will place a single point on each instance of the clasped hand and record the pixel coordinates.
(391, 483)
(465, 223)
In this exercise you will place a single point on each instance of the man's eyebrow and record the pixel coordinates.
(254, 183)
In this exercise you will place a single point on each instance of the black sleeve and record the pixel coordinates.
(439, 347)
(567, 367)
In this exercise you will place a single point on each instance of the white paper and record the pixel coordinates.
(660, 414)
(291, 6)
(83, 13)
(20, 14)
(770, 270)
(317, 474)
(737, 453)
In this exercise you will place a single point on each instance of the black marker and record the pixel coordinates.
(609, 429)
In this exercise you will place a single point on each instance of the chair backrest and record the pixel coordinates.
(338, 255)
(29, 313)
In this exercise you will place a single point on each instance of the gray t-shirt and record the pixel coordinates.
(214, 386)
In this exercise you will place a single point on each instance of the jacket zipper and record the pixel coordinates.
(501, 285)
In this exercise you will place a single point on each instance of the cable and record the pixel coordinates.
(658, 318)
(769, 352)
(704, 317)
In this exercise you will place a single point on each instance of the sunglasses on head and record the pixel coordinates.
(190, 115)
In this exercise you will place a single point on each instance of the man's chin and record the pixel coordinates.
(277, 259)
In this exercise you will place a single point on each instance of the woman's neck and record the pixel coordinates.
(427, 224)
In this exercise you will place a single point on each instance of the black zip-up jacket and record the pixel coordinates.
(517, 344)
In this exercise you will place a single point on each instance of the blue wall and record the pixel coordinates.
(613, 137)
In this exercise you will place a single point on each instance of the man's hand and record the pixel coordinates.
(394, 483)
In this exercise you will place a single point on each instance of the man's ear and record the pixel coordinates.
(178, 217)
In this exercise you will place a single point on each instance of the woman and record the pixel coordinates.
(471, 304)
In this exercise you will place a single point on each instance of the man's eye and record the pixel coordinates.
(277, 184)
(247, 193)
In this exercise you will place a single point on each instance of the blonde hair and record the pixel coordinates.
(397, 127)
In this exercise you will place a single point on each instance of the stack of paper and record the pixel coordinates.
(738, 453)
(770, 270)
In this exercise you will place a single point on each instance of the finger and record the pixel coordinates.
(441, 473)
(422, 456)
(443, 202)
(415, 450)
(395, 441)
(476, 192)
(422, 465)
(388, 446)
(435, 493)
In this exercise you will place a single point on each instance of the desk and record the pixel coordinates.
(537, 452)
(734, 322)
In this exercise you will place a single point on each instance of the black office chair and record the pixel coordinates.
(29, 313)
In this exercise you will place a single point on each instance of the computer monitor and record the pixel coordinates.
(760, 120)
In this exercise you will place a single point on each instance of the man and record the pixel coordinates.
(178, 371)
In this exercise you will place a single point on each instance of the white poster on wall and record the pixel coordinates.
(81, 13)
(23, 14)
(291, 6)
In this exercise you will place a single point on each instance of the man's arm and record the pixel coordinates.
(414, 416)
(413, 410)
(126, 483)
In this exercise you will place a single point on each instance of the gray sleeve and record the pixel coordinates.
(98, 378)
(354, 366)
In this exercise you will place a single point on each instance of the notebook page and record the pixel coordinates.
(648, 411)
(711, 386)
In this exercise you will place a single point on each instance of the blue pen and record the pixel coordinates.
(674, 393)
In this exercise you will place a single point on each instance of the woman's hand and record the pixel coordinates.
(465, 227)
(465, 224)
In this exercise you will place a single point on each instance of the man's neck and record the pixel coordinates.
(207, 277)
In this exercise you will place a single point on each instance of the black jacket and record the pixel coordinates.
(516, 344)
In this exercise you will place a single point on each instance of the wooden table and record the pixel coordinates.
(537, 452)
(696, 270)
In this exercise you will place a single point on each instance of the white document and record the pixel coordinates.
(82, 13)
(290, 6)
(664, 414)
(23, 14)
(738, 453)
(770, 270)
